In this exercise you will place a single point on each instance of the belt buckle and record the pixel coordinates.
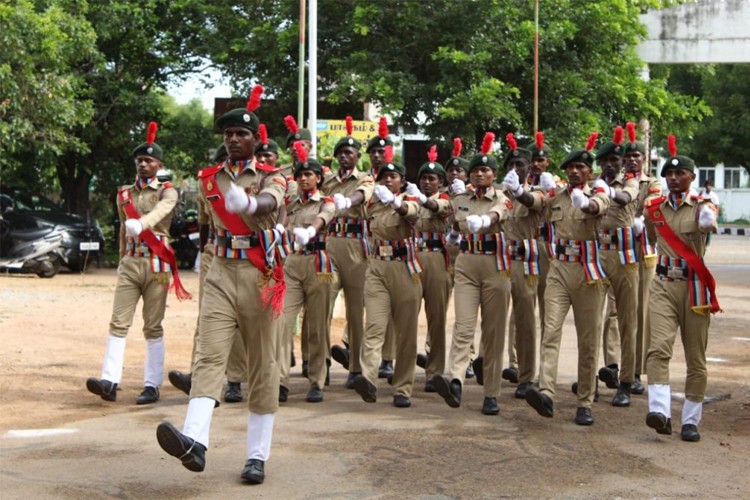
(513, 250)
(605, 238)
(239, 242)
(142, 247)
(675, 273)
(573, 250)
(385, 251)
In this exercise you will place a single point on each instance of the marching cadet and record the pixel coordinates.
(481, 281)
(309, 272)
(682, 295)
(146, 260)
(575, 279)
(393, 290)
(437, 280)
(243, 289)
(347, 241)
(619, 258)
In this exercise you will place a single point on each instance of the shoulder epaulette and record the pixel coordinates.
(167, 184)
(209, 171)
(509, 204)
(656, 201)
(654, 190)
(327, 199)
(444, 196)
(628, 176)
(410, 198)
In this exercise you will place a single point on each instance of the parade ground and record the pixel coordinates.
(57, 440)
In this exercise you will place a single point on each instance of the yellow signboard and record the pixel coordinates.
(328, 130)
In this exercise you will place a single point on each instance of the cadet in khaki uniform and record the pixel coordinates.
(347, 239)
(481, 281)
(683, 295)
(437, 281)
(393, 290)
(243, 289)
(309, 273)
(575, 279)
(143, 272)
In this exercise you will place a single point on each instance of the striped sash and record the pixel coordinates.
(584, 251)
(402, 250)
(139, 248)
(487, 244)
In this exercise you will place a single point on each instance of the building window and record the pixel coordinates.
(732, 178)
(707, 174)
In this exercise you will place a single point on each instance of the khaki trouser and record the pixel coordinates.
(206, 257)
(566, 287)
(623, 283)
(348, 257)
(232, 300)
(669, 309)
(523, 319)
(135, 280)
(646, 276)
(478, 284)
(391, 294)
(437, 284)
(237, 360)
(304, 289)
(610, 330)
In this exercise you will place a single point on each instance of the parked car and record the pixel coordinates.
(83, 240)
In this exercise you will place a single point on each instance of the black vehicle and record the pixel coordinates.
(83, 240)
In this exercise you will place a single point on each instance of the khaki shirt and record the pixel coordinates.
(385, 223)
(155, 202)
(469, 203)
(356, 181)
(622, 215)
(303, 214)
(684, 223)
(523, 222)
(435, 222)
(572, 223)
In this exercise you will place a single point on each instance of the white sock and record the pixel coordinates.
(660, 399)
(114, 356)
(198, 419)
(692, 413)
(153, 369)
(259, 435)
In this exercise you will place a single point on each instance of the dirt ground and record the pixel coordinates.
(59, 441)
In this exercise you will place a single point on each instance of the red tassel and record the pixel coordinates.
(591, 142)
(389, 154)
(512, 144)
(291, 124)
(349, 126)
(672, 145)
(273, 296)
(457, 146)
(619, 135)
(151, 133)
(263, 133)
(254, 101)
(301, 151)
(540, 140)
(382, 128)
(489, 138)
(179, 290)
(631, 131)
(432, 154)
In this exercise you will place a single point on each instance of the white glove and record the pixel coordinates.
(341, 202)
(477, 222)
(600, 184)
(133, 227)
(546, 182)
(279, 228)
(579, 199)
(453, 239)
(458, 187)
(413, 191)
(706, 217)
(237, 201)
(304, 235)
(513, 184)
(384, 194)
(638, 225)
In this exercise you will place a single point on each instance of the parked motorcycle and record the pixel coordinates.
(37, 251)
(185, 237)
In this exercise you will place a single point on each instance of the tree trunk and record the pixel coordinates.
(75, 184)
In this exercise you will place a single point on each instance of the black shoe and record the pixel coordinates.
(233, 393)
(637, 386)
(365, 389)
(574, 389)
(540, 402)
(181, 381)
(305, 368)
(690, 433)
(609, 374)
(429, 386)
(511, 374)
(584, 417)
(191, 453)
(386, 369)
(350, 379)
(253, 472)
(659, 422)
(489, 407)
(521, 390)
(422, 360)
(315, 395)
(622, 396)
(148, 396)
(340, 355)
(400, 401)
(449, 390)
(103, 388)
(469, 372)
(283, 394)
(478, 366)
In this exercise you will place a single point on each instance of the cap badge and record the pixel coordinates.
(350, 141)
(245, 117)
(432, 165)
(390, 166)
(675, 161)
(149, 150)
(381, 142)
(484, 159)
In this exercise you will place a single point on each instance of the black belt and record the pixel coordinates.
(226, 242)
(613, 239)
(433, 244)
(345, 228)
(486, 246)
(517, 250)
(315, 246)
(664, 271)
(396, 252)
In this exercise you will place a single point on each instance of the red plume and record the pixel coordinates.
(672, 145)
(263, 133)
(631, 131)
(489, 138)
(457, 147)
(540, 140)
(512, 144)
(591, 142)
(254, 101)
(382, 128)
(349, 125)
(151, 132)
(432, 154)
(291, 124)
(301, 151)
(619, 135)
(388, 153)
